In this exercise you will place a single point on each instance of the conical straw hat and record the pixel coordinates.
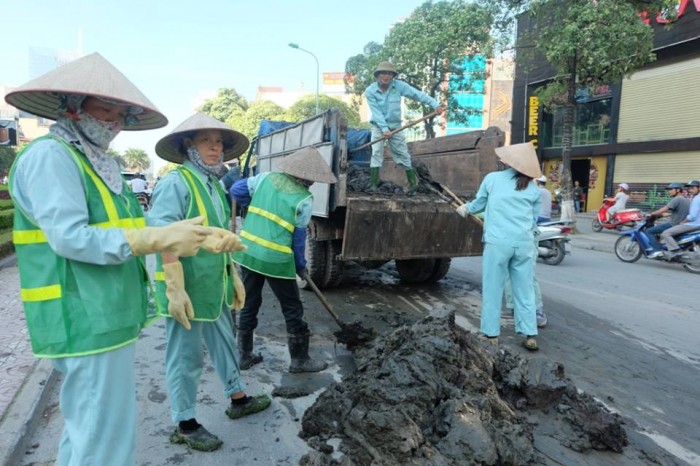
(521, 157)
(308, 164)
(172, 148)
(93, 76)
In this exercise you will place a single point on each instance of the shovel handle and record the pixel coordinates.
(394, 131)
(322, 298)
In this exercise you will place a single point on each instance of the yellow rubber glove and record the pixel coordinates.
(222, 241)
(238, 290)
(179, 304)
(183, 238)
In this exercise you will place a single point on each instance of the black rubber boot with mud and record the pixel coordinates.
(245, 349)
(247, 406)
(299, 352)
(373, 179)
(412, 181)
(198, 438)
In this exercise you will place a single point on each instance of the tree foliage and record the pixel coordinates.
(7, 156)
(305, 108)
(136, 159)
(429, 48)
(118, 157)
(587, 42)
(227, 104)
(249, 121)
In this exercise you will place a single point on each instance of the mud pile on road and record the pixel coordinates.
(434, 394)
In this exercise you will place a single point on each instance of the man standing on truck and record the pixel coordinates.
(384, 100)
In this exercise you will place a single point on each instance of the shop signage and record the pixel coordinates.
(533, 120)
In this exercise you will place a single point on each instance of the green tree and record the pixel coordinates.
(227, 104)
(306, 108)
(137, 159)
(249, 121)
(588, 44)
(429, 49)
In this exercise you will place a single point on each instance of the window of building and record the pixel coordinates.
(591, 124)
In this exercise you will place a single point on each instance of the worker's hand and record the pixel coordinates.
(463, 210)
(440, 110)
(179, 304)
(238, 290)
(301, 271)
(183, 238)
(222, 240)
(387, 134)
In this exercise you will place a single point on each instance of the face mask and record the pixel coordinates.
(99, 132)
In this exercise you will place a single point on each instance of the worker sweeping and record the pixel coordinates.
(384, 100)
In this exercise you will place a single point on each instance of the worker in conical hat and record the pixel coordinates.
(279, 211)
(384, 100)
(80, 235)
(511, 203)
(199, 292)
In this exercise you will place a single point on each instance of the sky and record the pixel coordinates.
(179, 53)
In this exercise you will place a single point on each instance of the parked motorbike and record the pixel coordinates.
(553, 243)
(633, 244)
(624, 218)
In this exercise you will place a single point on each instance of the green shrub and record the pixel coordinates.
(7, 219)
(6, 204)
(6, 246)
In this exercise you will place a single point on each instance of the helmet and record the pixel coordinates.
(693, 183)
(674, 185)
(385, 66)
(624, 186)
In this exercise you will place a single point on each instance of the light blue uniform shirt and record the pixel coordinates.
(510, 216)
(386, 106)
(48, 186)
(694, 212)
(171, 198)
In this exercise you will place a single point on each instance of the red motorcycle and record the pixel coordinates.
(623, 218)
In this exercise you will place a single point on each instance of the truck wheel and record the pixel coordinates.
(415, 270)
(442, 265)
(335, 267)
(316, 263)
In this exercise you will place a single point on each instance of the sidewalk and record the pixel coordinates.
(27, 382)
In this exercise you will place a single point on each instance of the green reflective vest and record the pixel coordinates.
(269, 226)
(208, 279)
(74, 308)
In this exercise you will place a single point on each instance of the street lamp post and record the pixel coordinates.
(318, 71)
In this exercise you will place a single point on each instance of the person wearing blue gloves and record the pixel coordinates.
(274, 231)
(198, 292)
(384, 100)
(511, 203)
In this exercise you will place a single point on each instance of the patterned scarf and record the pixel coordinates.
(218, 170)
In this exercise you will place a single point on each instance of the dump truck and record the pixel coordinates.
(421, 233)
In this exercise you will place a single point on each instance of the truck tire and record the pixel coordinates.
(335, 268)
(316, 263)
(415, 270)
(442, 266)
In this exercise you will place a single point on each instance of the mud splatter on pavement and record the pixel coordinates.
(433, 394)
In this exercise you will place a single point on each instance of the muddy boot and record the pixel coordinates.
(373, 179)
(245, 349)
(412, 181)
(299, 351)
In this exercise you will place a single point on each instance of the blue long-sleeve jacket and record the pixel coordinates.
(386, 106)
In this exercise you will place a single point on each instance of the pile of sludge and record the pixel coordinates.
(434, 394)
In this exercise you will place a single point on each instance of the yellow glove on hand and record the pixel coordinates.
(222, 241)
(179, 304)
(238, 290)
(183, 238)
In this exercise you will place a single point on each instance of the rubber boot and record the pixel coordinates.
(412, 181)
(299, 351)
(373, 179)
(245, 349)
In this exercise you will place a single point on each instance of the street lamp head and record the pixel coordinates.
(293, 45)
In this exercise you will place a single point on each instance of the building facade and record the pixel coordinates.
(642, 131)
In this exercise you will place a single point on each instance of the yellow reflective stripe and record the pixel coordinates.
(28, 237)
(138, 222)
(107, 200)
(266, 243)
(267, 214)
(44, 293)
(159, 276)
(198, 199)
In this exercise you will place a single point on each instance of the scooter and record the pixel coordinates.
(553, 242)
(633, 244)
(623, 218)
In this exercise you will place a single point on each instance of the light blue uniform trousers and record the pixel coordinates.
(184, 359)
(399, 150)
(98, 403)
(500, 261)
(535, 283)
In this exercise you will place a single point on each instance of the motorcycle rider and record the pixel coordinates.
(691, 223)
(677, 208)
(545, 214)
(620, 200)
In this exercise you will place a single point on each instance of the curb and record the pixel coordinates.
(25, 412)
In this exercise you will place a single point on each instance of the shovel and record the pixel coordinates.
(352, 335)
(453, 200)
(394, 131)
